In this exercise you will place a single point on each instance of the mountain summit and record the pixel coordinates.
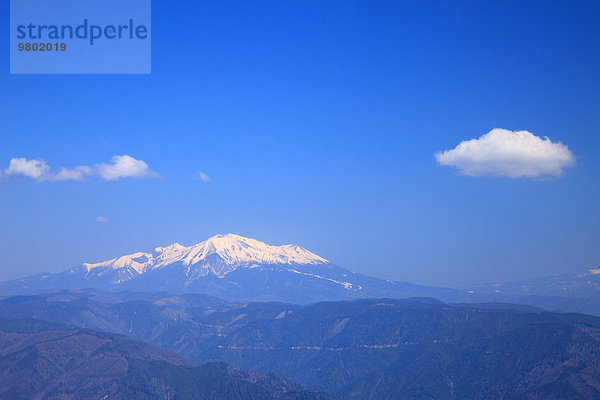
(218, 256)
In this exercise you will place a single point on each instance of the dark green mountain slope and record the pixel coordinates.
(367, 349)
(40, 360)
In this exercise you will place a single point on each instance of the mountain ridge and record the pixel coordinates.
(46, 360)
(361, 349)
(236, 268)
(579, 284)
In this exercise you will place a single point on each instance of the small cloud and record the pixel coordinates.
(35, 169)
(102, 219)
(203, 177)
(501, 152)
(124, 167)
(72, 174)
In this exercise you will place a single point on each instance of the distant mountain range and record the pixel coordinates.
(226, 266)
(236, 268)
(574, 292)
(42, 360)
(362, 349)
(585, 284)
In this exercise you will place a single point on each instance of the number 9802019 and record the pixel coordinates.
(42, 46)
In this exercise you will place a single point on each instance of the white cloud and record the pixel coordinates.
(35, 169)
(75, 174)
(102, 219)
(203, 177)
(120, 167)
(124, 167)
(501, 152)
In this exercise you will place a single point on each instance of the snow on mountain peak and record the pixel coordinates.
(233, 250)
(239, 250)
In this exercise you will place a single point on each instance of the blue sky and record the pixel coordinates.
(318, 124)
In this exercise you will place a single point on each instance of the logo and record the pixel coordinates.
(80, 37)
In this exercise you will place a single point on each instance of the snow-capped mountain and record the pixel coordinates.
(229, 266)
(218, 256)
